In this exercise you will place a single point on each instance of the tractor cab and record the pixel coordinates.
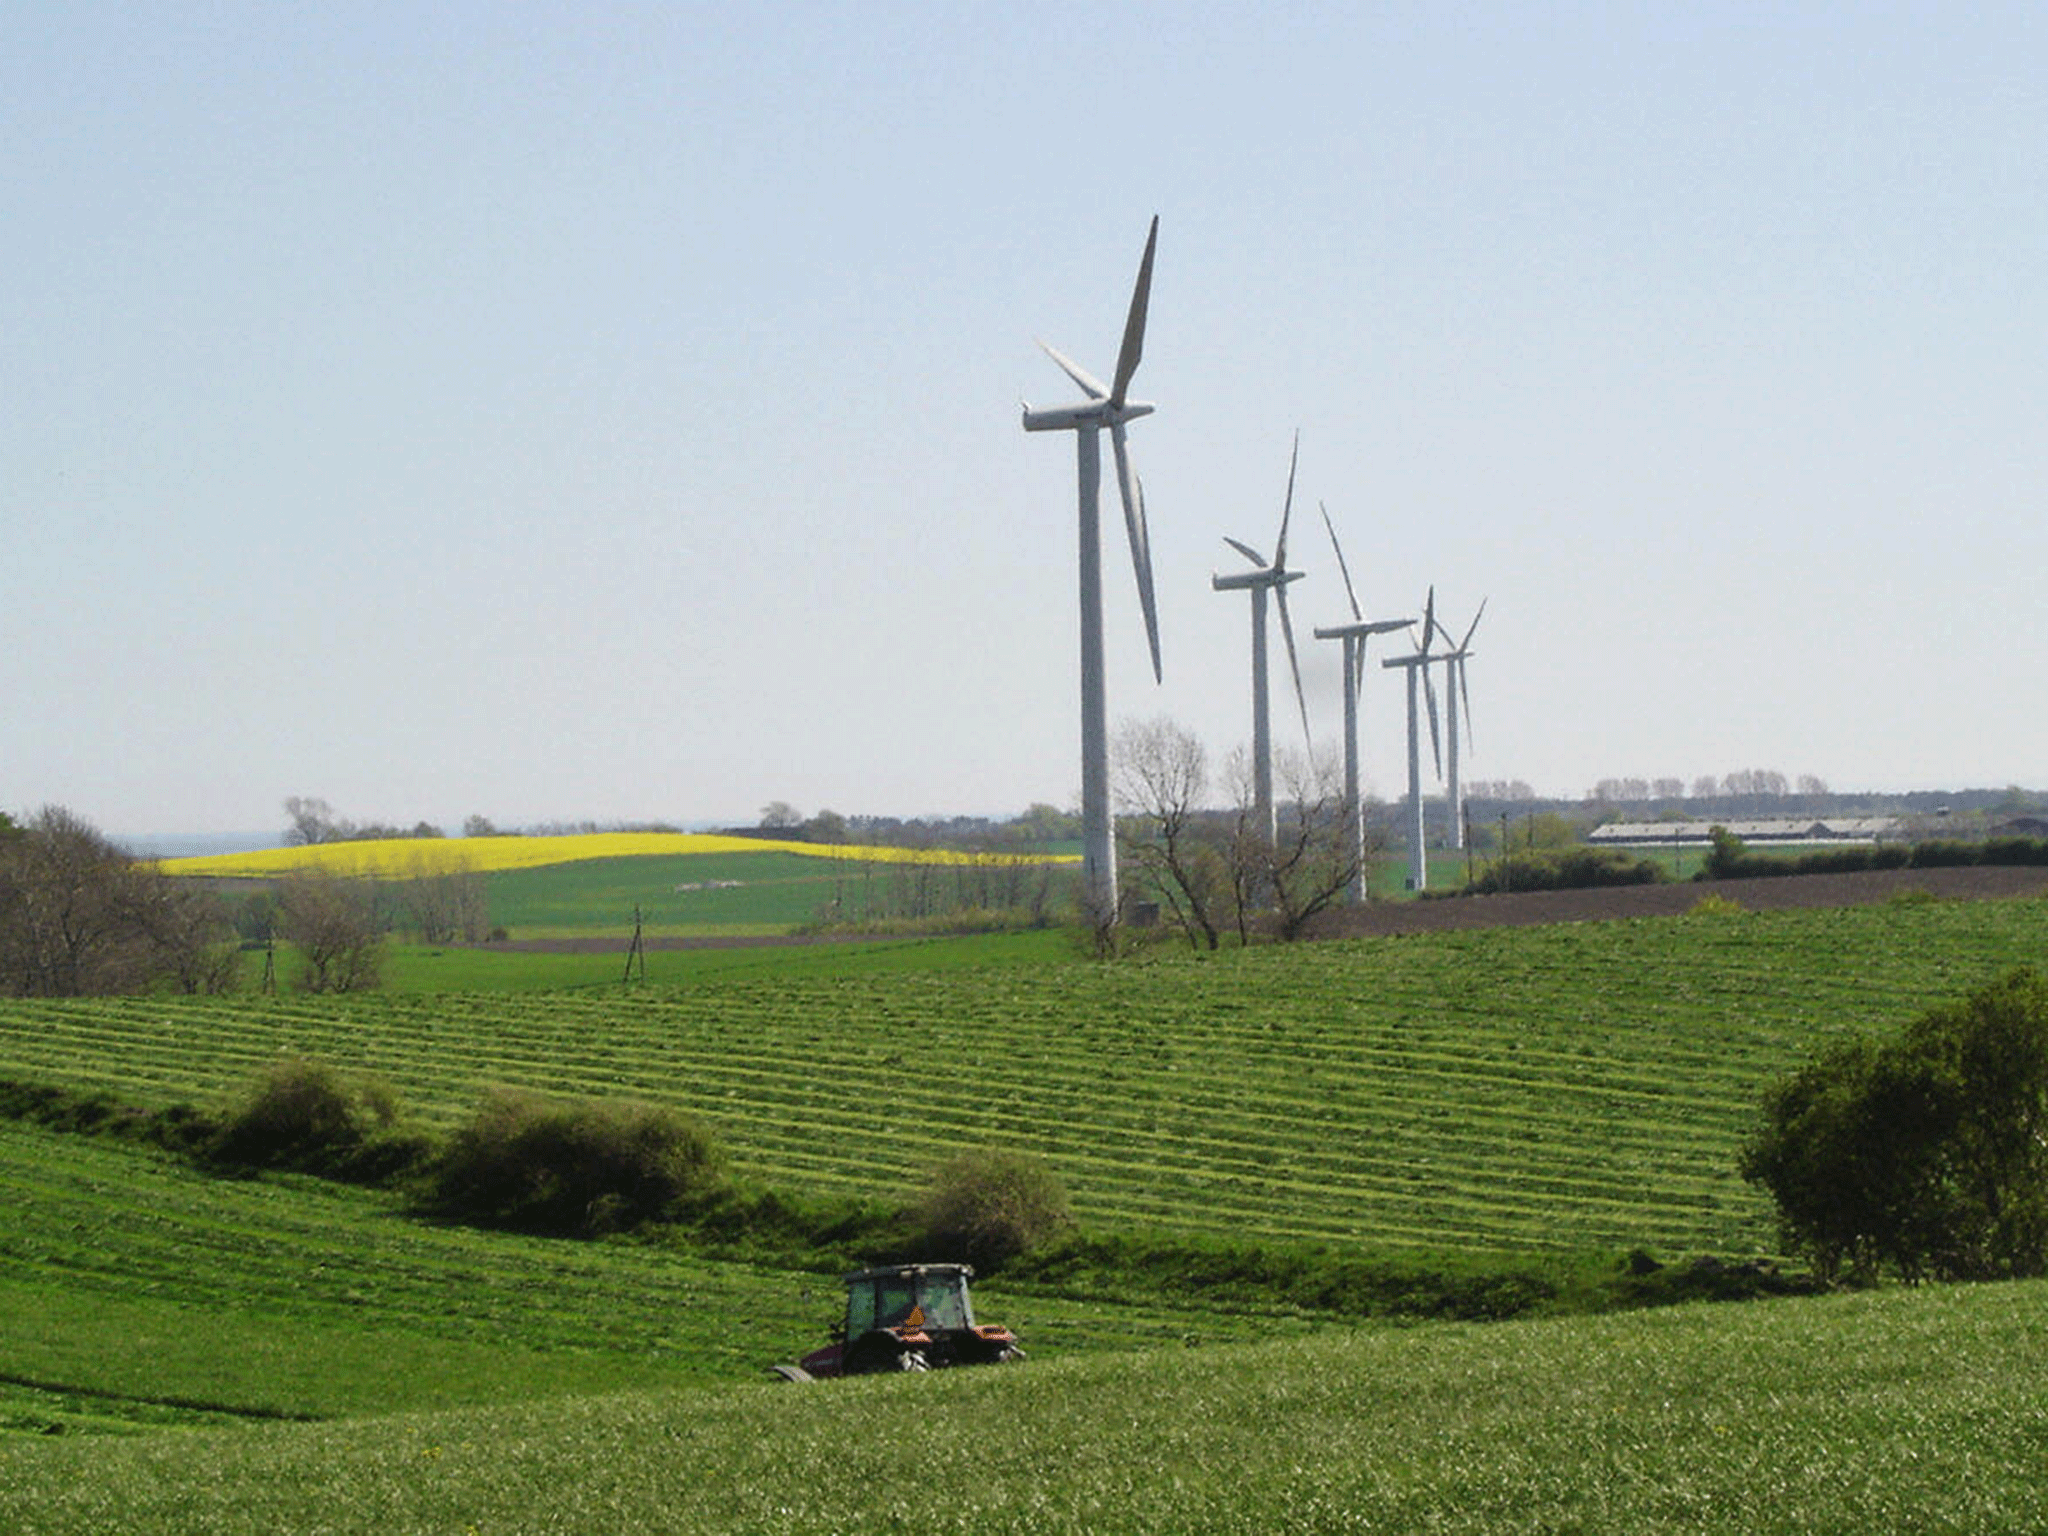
(908, 1317)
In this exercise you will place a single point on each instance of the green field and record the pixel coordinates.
(1498, 1091)
(1555, 1095)
(1909, 1411)
(686, 894)
(135, 1289)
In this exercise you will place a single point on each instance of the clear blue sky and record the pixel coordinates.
(611, 411)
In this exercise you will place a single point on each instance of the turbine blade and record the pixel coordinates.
(1294, 664)
(1091, 386)
(1349, 591)
(1247, 551)
(1436, 750)
(1428, 624)
(1465, 695)
(1469, 628)
(1134, 323)
(1287, 506)
(1140, 539)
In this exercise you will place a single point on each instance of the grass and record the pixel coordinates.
(1564, 1089)
(1461, 1097)
(1901, 1411)
(135, 1290)
(422, 968)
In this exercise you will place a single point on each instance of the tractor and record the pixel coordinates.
(906, 1317)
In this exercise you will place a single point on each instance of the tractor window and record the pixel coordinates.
(945, 1301)
(894, 1299)
(860, 1309)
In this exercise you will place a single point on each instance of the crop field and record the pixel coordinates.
(401, 857)
(1904, 1411)
(733, 893)
(1493, 1092)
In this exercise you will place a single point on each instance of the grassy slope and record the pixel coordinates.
(1500, 1091)
(1893, 1412)
(135, 1290)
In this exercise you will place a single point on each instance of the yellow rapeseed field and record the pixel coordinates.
(400, 857)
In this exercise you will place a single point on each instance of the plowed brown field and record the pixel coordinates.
(1966, 883)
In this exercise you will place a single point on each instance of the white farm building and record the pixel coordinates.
(1785, 829)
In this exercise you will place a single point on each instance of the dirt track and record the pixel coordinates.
(1969, 882)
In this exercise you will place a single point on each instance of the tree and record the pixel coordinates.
(1312, 858)
(313, 821)
(479, 826)
(444, 905)
(825, 827)
(781, 815)
(332, 922)
(1927, 1155)
(1160, 772)
(79, 916)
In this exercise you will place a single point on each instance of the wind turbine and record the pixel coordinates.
(1419, 663)
(1457, 705)
(1106, 406)
(1354, 635)
(1258, 581)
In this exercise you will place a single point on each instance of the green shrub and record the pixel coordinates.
(2015, 850)
(1562, 869)
(574, 1166)
(989, 1206)
(1926, 1156)
(303, 1114)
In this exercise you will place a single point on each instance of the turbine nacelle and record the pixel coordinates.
(1361, 629)
(1093, 413)
(1246, 581)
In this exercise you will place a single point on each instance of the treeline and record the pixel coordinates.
(78, 917)
(82, 917)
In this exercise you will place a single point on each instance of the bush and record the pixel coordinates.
(1926, 1156)
(303, 1114)
(1562, 869)
(988, 1207)
(574, 1167)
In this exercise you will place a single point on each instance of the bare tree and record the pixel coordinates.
(1312, 859)
(445, 905)
(332, 922)
(79, 916)
(188, 931)
(1159, 773)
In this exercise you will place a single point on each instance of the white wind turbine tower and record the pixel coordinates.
(1457, 707)
(1106, 406)
(1355, 635)
(1420, 662)
(1260, 580)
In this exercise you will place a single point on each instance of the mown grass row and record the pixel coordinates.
(1499, 1091)
(1906, 1411)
